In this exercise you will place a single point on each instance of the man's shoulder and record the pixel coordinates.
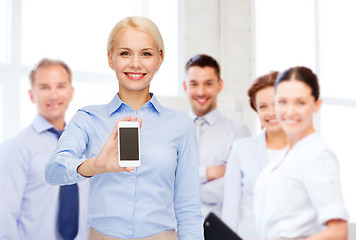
(233, 127)
(20, 141)
(25, 134)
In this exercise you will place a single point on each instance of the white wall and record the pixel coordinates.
(222, 29)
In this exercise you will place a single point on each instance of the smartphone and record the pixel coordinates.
(129, 144)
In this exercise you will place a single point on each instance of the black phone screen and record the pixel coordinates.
(129, 144)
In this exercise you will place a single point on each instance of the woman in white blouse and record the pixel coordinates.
(298, 196)
(250, 156)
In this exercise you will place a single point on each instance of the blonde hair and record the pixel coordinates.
(139, 23)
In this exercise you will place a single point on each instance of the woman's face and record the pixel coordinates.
(135, 59)
(265, 109)
(295, 106)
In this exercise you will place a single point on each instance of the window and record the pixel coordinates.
(338, 114)
(1, 100)
(284, 35)
(4, 30)
(75, 32)
(80, 37)
(337, 48)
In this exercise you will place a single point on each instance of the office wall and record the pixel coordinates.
(223, 29)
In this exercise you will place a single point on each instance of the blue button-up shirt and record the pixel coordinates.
(161, 194)
(28, 204)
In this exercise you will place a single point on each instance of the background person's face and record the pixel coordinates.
(51, 92)
(202, 87)
(265, 109)
(295, 106)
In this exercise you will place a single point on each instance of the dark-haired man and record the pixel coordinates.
(215, 132)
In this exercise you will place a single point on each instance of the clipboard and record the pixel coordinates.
(216, 229)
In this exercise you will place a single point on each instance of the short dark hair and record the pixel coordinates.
(46, 62)
(302, 74)
(260, 83)
(203, 60)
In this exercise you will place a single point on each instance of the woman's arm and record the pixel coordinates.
(187, 203)
(336, 230)
(322, 182)
(67, 165)
(232, 190)
(107, 159)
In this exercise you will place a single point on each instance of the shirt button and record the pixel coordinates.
(130, 203)
(129, 226)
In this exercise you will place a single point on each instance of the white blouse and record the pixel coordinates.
(272, 154)
(297, 194)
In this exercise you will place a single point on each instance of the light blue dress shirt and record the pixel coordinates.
(28, 204)
(161, 194)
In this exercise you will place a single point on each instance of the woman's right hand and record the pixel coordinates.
(107, 159)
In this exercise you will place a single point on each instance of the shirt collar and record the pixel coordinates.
(155, 104)
(117, 103)
(114, 104)
(40, 124)
(210, 117)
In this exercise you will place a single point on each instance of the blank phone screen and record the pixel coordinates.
(129, 144)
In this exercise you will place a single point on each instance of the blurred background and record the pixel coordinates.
(248, 37)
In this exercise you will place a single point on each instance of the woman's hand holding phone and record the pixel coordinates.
(107, 159)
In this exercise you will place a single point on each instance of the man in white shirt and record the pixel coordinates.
(30, 208)
(215, 132)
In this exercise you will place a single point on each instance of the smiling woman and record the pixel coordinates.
(322, 42)
(160, 198)
(305, 178)
(296, 102)
(250, 156)
(134, 64)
